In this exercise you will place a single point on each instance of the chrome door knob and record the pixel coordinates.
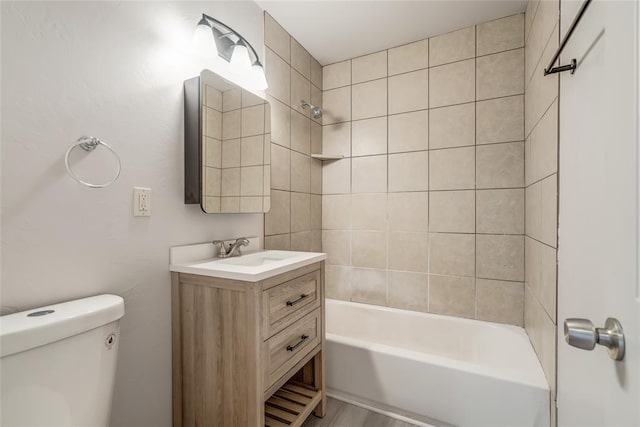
(582, 334)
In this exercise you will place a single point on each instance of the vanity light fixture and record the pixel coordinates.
(204, 39)
(240, 61)
(215, 38)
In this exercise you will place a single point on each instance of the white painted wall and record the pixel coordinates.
(115, 71)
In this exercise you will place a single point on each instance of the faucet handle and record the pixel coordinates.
(242, 241)
(221, 245)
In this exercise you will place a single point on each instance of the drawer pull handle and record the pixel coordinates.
(294, 302)
(296, 345)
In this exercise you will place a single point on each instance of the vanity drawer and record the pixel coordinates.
(285, 303)
(285, 349)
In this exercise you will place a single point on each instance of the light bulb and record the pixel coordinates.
(205, 43)
(240, 62)
(258, 79)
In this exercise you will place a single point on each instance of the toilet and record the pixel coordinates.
(58, 363)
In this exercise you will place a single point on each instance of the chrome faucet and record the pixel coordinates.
(233, 249)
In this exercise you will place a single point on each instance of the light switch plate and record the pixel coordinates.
(141, 201)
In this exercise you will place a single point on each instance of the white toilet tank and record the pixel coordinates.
(58, 363)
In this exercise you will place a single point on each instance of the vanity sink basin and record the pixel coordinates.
(259, 258)
(249, 267)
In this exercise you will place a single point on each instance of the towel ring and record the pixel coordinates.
(89, 143)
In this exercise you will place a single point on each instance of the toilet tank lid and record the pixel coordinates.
(34, 328)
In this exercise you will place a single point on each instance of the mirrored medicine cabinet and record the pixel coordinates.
(227, 146)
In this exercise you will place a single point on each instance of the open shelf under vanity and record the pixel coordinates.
(291, 405)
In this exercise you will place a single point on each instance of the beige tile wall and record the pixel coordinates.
(541, 180)
(426, 210)
(295, 219)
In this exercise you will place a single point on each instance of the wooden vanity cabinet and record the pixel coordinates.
(248, 354)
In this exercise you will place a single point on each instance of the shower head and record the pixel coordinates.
(316, 112)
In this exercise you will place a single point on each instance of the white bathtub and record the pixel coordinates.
(436, 370)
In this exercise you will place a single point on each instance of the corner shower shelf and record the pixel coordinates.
(327, 156)
(290, 405)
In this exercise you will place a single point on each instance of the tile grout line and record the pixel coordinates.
(475, 175)
(429, 308)
(491, 278)
(387, 236)
(557, 222)
(535, 13)
(524, 117)
(419, 110)
(351, 284)
(290, 145)
(444, 64)
(549, 37)
(540, 303)
(540, 242)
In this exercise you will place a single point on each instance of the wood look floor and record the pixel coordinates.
(340, 414)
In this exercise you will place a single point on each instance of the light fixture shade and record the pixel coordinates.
(204, 41)
(240, 61)
(258, 79)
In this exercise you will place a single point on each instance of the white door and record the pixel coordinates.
(598, 212)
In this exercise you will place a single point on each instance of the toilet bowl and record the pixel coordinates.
(57, 363)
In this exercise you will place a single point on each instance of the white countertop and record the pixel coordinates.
(250, 267)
